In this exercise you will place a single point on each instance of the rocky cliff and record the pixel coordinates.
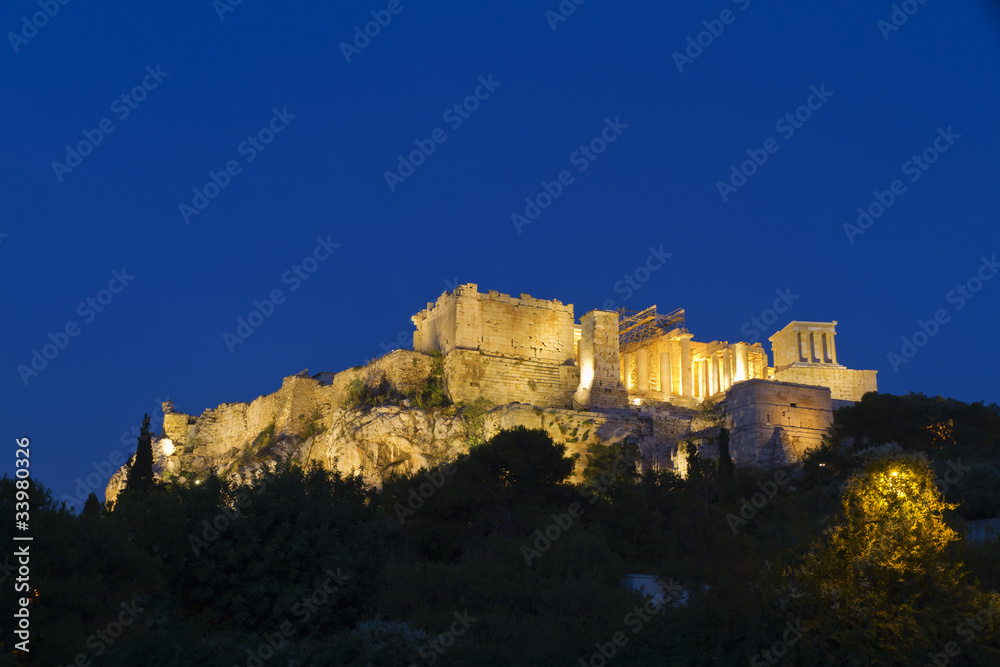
(312, 420)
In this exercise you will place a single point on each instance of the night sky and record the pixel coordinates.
(167, 167)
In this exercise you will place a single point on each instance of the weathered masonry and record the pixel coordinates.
(532, 351)
(607, 377)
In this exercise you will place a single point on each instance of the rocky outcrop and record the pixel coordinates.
(307, 420)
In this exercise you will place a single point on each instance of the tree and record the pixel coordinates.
(725, 460)
(882, 585)
(92, 507)
(612, 465)
(523, 457)
(140, 473)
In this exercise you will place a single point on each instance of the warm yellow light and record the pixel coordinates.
(587, 373)
(168, 446)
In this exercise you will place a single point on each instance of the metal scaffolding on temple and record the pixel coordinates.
(635, 327)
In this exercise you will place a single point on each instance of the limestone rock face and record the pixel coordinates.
(373, 442)
(388, 439)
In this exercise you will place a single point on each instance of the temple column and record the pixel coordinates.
(687, 379)
(741, 362)
(627, 370)
(642, 370)
(727, 377)
(833, 347)
(666, 374)
(713, 369)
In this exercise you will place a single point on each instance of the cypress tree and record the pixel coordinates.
(140, 473)
(92, 507)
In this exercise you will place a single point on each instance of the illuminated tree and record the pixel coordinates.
(883, 582)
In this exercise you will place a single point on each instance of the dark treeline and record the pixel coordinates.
(498, 559)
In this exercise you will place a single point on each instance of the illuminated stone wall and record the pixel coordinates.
(502, 348)
(845, 384)
(599, 363)
(497, 324)
(504, 379)
(773, 423)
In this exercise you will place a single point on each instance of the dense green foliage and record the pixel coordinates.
(499, 558)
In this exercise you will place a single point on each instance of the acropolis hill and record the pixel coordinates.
(608, 377)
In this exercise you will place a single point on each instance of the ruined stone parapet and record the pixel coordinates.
(600, 384)
(496, 323)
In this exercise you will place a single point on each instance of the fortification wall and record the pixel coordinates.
(216, 432)
(498, 324)
(845, 384)
(503, 379)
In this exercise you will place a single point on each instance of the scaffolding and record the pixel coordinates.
(636, 327)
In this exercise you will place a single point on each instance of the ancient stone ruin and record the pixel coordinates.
(610, 376)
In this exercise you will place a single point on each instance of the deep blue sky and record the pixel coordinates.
(324, 176)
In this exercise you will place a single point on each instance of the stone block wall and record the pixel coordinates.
(772, 423)
(845, 384)
(498, 324)
(600, 386)
(504, 379)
